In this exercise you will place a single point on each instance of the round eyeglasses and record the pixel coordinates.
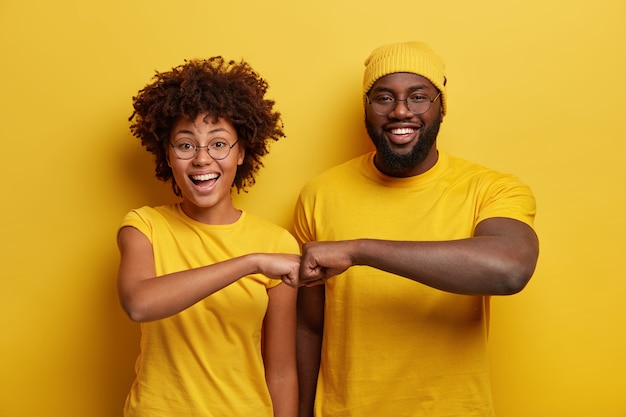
(386, 103)
(188, 149)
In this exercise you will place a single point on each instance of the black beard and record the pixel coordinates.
(398, 165)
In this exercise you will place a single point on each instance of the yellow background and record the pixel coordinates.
(536, 87)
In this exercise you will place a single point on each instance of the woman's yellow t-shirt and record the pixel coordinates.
(205, 360)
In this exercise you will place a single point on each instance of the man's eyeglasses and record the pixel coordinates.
(386, 103)
(188, 149)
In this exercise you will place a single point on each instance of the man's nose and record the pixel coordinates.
(401, 110)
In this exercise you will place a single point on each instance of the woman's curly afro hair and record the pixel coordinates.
(230, 90)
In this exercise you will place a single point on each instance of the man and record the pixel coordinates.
(402, 248)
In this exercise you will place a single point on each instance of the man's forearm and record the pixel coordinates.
(496, 264)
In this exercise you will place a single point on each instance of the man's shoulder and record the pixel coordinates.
(461, 166)
(336, 173)
(462, 163)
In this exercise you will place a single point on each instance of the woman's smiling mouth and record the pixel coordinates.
(198, 179)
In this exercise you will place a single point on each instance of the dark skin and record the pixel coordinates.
(499, 259)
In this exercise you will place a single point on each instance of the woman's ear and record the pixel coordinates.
(167, 157)
(241, 155)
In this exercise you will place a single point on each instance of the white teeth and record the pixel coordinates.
(204, 177)
(402, 131)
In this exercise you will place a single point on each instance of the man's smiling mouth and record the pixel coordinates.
(402, 131)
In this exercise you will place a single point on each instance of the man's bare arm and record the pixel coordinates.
(500, 259)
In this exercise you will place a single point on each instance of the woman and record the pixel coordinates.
(202, 277)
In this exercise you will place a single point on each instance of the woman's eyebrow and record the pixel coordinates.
(190, 132)
(187, 131)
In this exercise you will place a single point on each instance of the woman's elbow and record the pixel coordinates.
(135, 309)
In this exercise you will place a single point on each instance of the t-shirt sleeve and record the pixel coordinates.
(137, 218)
(508, 197)
(303, 227)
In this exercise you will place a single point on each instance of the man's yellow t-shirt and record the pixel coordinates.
(392, 346)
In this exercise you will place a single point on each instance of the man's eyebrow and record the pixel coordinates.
(417, 87)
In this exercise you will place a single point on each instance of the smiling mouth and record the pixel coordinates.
(402, 131)
(199, 179)
(402, 136)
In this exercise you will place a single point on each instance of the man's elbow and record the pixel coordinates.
(516, 275)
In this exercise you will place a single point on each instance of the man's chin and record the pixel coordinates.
(393, 162)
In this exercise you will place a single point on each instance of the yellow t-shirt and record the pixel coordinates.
(391, 346)
(206, 360)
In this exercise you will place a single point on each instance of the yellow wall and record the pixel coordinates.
(536, 87)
